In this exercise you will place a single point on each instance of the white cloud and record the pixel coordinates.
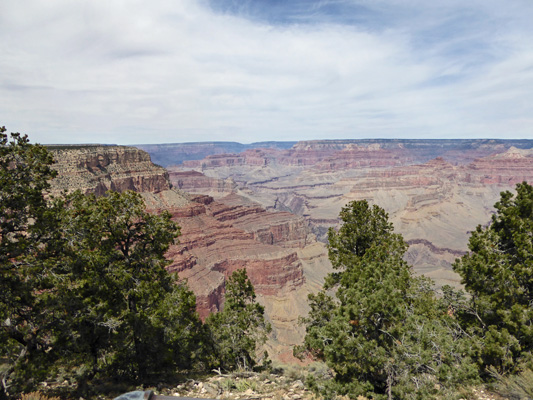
(167, 71)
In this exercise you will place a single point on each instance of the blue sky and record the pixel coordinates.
(163, 71)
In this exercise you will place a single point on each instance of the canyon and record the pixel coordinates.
(435, 191)
(268, 208)
(283, 259)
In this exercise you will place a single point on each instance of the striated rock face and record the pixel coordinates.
(435, 191)
(192, 181)
(342, 154)
(97, 169)
(177, 153)
(219, 237)
(283, 260)
(507, 168)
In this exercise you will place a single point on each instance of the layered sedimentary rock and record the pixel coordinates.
(97, 169)
(338, 154)
(219, 237)
(283, 260)
(507, 168)
(177, 153)
(192, 181)
(435, 191)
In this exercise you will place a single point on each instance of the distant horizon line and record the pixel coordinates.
(287, 141)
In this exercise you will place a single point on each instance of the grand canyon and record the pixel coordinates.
(267, 206)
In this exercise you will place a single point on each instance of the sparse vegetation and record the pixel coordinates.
(514, 387)
(36, 396)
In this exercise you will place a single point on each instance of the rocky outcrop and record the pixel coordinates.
(222, 236)
(194, 181)
(97, 169)
(508, 168)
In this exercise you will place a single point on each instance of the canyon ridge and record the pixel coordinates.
(435, 191)
(283, 259)
(267, 206)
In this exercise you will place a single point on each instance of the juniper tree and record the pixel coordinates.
(126, 308)
(384, 334)
(498, 274)
(26, 225)
(83, 287)
(240, 327)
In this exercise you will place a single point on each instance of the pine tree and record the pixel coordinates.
(240, 327)
(83, 287)
(26, 226)
(385, 335)
(498, 274)
(127, 315)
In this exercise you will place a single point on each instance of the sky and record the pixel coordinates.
(169, 71)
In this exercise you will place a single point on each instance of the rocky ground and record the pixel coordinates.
(286, 383)
(266, 386)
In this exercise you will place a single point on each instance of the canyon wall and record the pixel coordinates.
(283, 259)
(263, 208)
(97, 169)
(435, 191)
(176, 153)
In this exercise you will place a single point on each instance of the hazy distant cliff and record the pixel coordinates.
(436, 191)
(176, 153)
(420, 150)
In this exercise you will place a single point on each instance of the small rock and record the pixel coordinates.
(211, 389)
(298, 385)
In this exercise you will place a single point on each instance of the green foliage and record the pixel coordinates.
(350, 243)
(126, 315)
(26, 226)
(240, 328)
(84, 291)
(385, 334)
(498, 274)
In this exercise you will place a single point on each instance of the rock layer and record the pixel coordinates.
(435, 191)
(219, 237)
(97, 169)
(284, 262)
